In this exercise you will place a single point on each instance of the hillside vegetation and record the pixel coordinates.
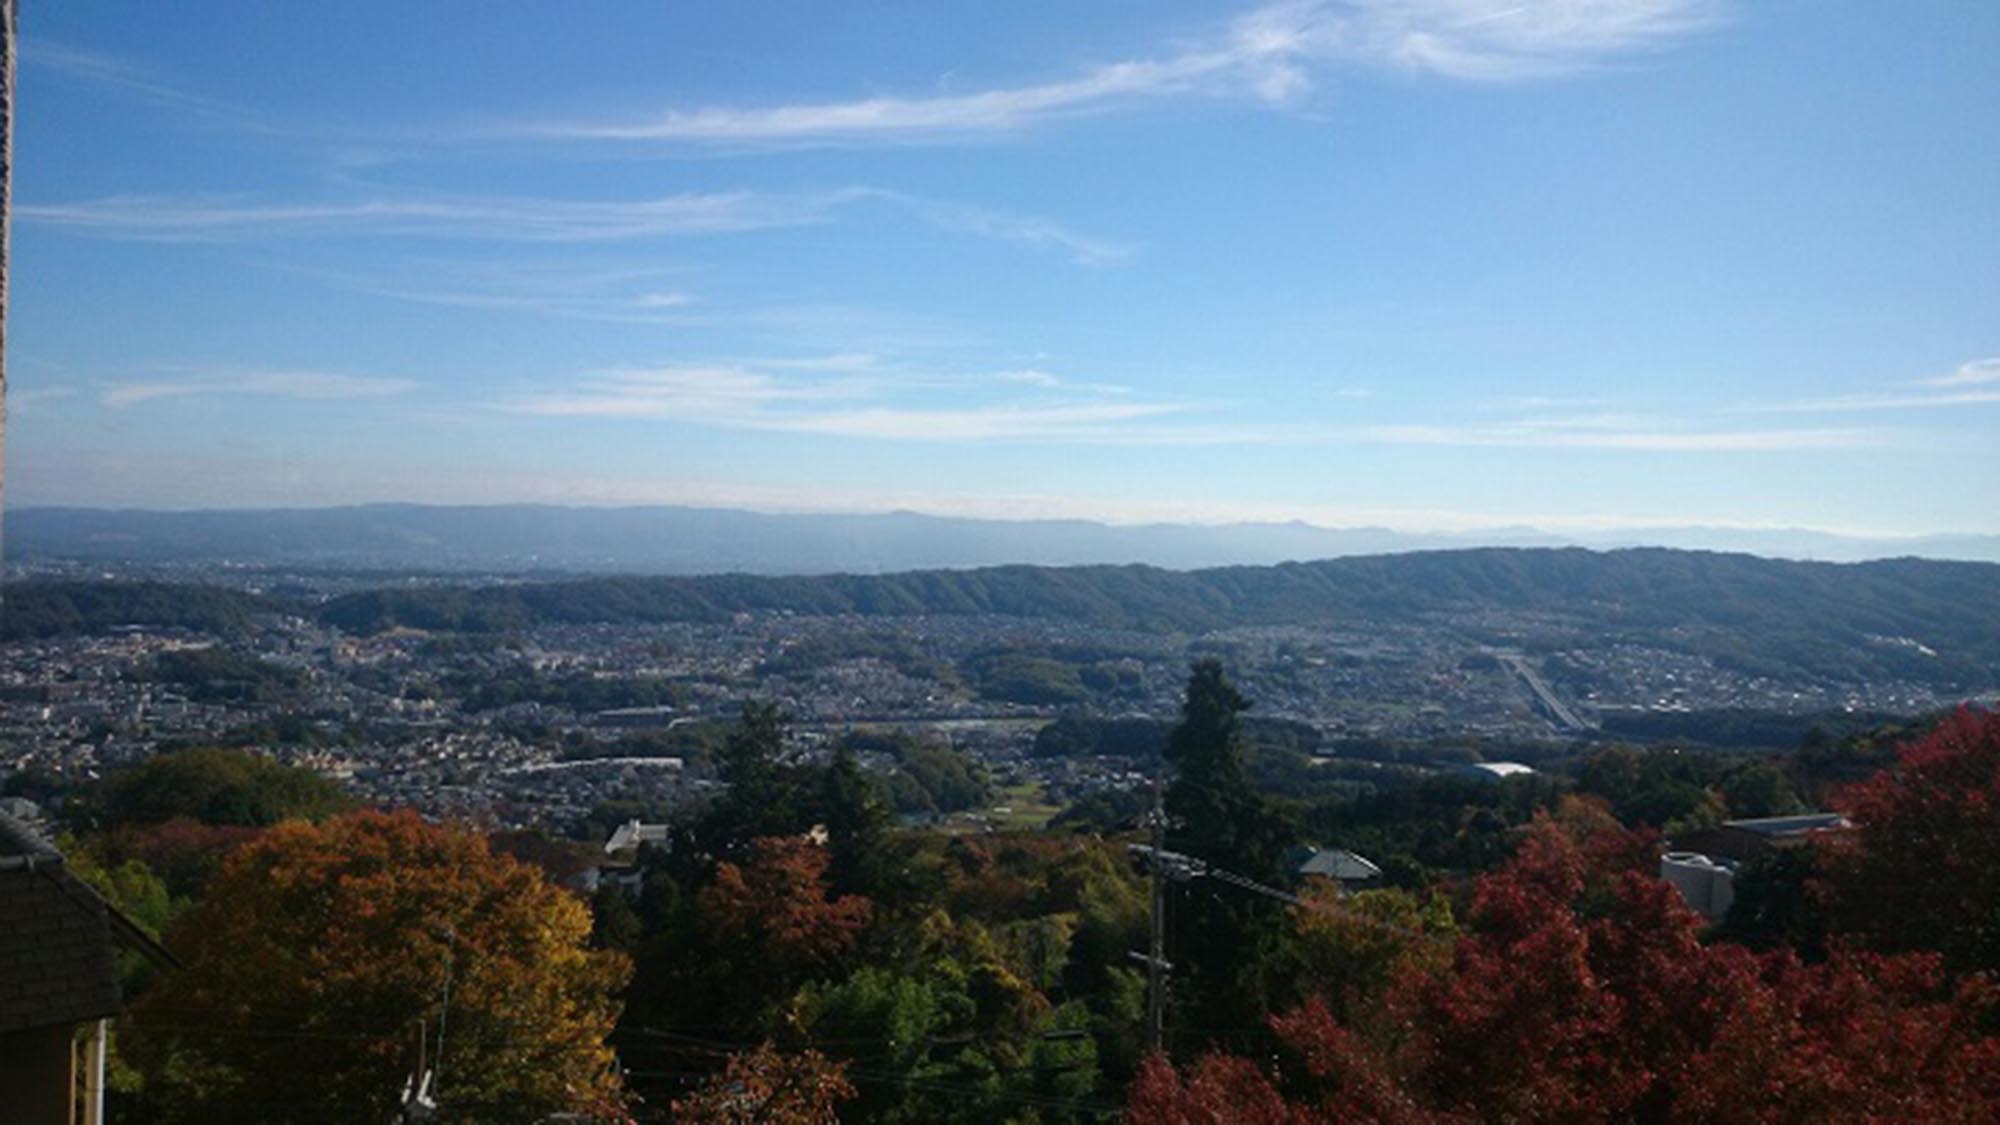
(1909, 619)
(1837, 620)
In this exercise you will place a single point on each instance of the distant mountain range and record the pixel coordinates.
(685, 541)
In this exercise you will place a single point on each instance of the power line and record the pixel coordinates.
(725, 1049)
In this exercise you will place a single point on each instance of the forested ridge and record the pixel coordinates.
(65, 607)
(1824, 618)
(1846, 621)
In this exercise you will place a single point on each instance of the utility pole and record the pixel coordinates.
(1180, 868)
(1156, 960)
(1155, 957)
(10, 50)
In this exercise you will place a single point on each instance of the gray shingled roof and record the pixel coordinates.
(57, 938)
(1337, 863)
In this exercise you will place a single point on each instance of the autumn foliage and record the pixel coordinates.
(1583, 992)
(322, 953)
(768, 1087)
(1922, 869)
(778, 904)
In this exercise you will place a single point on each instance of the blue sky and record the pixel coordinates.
(1442, 264)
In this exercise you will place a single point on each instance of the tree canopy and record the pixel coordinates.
(327, 960)
(217, 787)
(1581, 991)
(1922, 869)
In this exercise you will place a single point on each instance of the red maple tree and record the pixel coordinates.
(1582, 992)
(1921, 871)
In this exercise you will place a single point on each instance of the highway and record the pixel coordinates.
(1565, 719)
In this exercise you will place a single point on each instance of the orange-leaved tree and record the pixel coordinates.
(767, 1087)
(326, 960)
(774, 922)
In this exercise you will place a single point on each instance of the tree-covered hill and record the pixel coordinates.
(1908, 618)
(1926, 621)
(44, 608)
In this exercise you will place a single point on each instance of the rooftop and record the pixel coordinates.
(1799, 825)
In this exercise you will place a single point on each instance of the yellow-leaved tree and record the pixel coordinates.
(330, 963)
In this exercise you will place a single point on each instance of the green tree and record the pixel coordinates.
(1760, 790)
(216, 787)
(857, 827)
(766, 797)
(1221, 937)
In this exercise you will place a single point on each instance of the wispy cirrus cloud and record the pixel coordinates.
(133, 80)
(1075, 421)
(1979, 372)
(1840, 403)
(215, 218)
(1034, 377)
(1531, 435)
(1272, 54)
(516, 220)
(860, 399)
(854, 402)
(1974, 383)
(313, 385)
(1029, 230)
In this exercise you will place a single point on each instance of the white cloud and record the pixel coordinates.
(118, 74)
(839, 361)
(1030, 377)
(1876, 402)
(283, 384)
(852, 399)
(1971, 385)
(194, 218)
(1976, 373)
(671, 299)
(1545, 436)
(725, 395)
(873, 405)
(979, 423)
(1270, 54)
(1033, 377)
(1029, 230)
(1498, 40)
(519, 220)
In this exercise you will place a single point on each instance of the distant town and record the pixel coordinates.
(540, 725)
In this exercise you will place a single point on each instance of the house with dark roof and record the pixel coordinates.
(59, 982)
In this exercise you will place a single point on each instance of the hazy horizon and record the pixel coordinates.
(702, 540)
(1589, 528)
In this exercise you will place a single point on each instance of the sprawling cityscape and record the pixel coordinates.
(534, 728)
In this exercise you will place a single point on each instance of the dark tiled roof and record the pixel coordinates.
(56, 937)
